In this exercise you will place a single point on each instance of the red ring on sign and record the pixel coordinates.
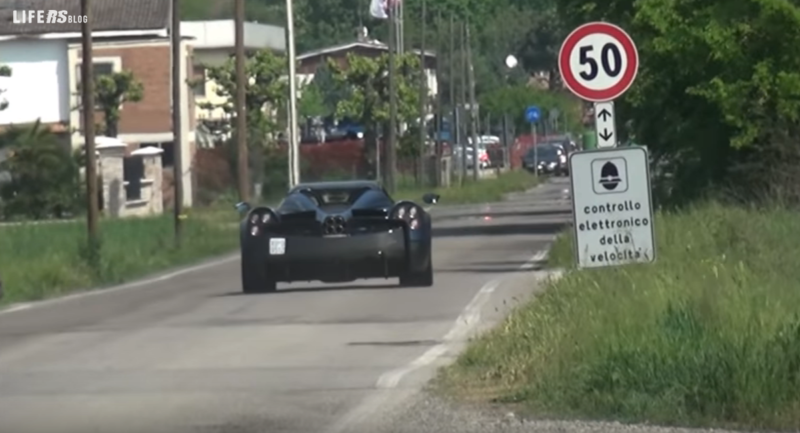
(628, 76)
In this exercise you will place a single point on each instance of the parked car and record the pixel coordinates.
(483, 156)
(551, 159)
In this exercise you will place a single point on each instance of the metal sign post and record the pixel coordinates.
(599, 62)
(532, 115)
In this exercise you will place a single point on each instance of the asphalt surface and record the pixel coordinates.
(186, 352)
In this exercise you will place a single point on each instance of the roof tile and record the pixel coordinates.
(106, 15)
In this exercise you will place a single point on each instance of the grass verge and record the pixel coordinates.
(708, 335)
(44, 260)
(482, 191)
(38, 261)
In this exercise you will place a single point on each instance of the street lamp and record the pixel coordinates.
(511, 63)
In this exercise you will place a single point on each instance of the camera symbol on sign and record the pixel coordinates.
(609, 175)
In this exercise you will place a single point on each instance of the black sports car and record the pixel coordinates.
(336, 232)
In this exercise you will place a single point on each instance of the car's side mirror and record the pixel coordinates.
(430, 198)
(243, 207)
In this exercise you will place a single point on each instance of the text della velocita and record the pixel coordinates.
(616, 244)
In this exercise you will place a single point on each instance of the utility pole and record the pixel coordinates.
(439, 110)
(451, 77)
(87, 86)
(241, 110)
(294, 151)
(423, 102)
(391, 151)
(177, 130)
(473, 118)
(462, 101)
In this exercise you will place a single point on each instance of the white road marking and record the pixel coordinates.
(389, 381)
(468, 318)
(135, 284)
(16, 307)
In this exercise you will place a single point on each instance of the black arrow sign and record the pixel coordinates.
(604, 114)
(606, 135)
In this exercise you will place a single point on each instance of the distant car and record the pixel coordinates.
(483, 157)
(551, 159)
(336, 232)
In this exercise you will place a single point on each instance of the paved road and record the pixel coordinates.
(187, 353)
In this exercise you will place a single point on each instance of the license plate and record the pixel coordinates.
(277, 246)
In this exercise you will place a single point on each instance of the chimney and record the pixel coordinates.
(362, 34)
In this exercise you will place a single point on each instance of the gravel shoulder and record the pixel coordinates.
(429, 413)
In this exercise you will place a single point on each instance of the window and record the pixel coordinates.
(102, 66)
(334, 196)
(199, 74)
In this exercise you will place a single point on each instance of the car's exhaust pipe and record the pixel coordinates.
(385, 264)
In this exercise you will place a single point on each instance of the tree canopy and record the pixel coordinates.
(266, 88)
(111, 91)
(717, 90)
(366, 81)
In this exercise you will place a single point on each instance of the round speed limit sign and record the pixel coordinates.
(598, 61)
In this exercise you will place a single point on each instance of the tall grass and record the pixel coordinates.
(481, 191)
(708, 335)
(43, 260)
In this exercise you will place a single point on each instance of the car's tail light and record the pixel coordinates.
(259, 219)
(410, 213)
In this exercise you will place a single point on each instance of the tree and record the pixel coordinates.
(529, 29)
(366, 80)
(330, 91)
(265, 92)
(113, 90)
(312, 102)
(44, 176)
(512, 100)
(266, 89)
(718, 85)
(5, 71)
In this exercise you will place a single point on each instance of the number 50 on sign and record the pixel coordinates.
(598, 61)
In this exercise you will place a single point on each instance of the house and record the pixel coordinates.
(309, 62)
(45, 59)
(213, 44)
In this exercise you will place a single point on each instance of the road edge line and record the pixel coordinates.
(13, 308)
(463, 325)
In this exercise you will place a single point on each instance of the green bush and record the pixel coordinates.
(710, 334)
(44, 175)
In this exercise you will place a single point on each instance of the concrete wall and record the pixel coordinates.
(111, 169)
